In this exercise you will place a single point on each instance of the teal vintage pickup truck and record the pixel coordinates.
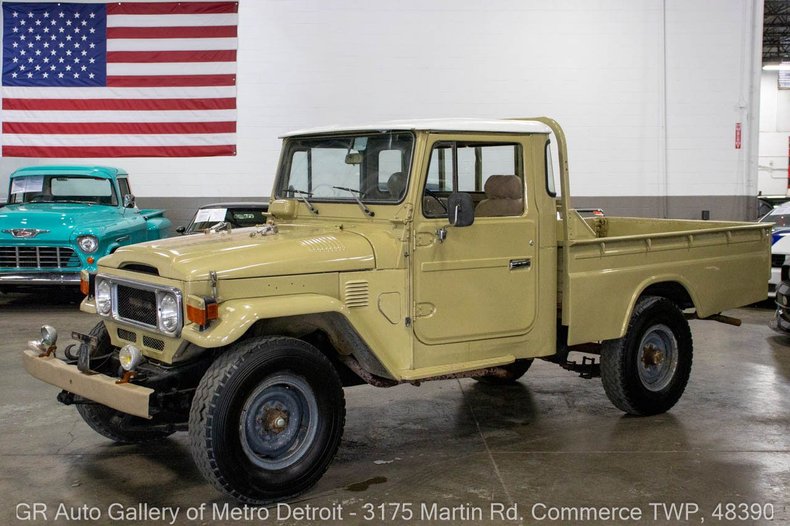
(60, 220)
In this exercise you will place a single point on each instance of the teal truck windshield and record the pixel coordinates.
(373, 168)
(61, 189)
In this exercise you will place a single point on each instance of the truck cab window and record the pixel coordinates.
(490, 172)
(123, 184)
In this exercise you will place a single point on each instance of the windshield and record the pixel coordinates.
(373, 168)
(237, 217)
(62, 189)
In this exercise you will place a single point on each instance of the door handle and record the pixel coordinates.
(520, 263)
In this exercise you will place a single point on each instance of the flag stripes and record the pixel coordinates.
(168, 83)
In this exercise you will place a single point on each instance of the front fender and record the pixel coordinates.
(237, 316)
(157, 228)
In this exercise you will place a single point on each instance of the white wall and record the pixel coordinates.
(774, 135)
(649, 90)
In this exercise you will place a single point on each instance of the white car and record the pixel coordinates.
(780, 243)
(780, 251)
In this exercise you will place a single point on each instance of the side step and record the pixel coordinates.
(589, 368)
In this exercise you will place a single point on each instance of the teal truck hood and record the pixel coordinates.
(239, 255)
(58, 220)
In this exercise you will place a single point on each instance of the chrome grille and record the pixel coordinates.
(137, 305)
(22, 257)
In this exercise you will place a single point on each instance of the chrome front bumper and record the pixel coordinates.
(127, 398)
(40, 278)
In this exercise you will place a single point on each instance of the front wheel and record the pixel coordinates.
(267, 419)
(646, 371)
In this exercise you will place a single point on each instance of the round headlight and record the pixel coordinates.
(103, 297)
(88, 244)
(168, 313)
(130, 357)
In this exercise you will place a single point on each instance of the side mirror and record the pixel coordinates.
(181, 229)
(460, 209)
(128, 201)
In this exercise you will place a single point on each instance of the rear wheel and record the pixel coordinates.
(115, 425)
(646, 371)
(267, 419)
(514, 371)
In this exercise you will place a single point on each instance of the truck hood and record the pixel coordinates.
(59, 220)
(238, 255)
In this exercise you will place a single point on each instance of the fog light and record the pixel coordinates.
(130, 357)
(45, 344)
(49, 336)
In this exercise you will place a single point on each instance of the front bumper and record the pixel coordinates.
(781, 320)
(40, 278)
(127, 398)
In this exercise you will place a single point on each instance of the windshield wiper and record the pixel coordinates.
(303, 196)
(356, 194)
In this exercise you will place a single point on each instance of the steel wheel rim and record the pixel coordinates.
(657, 358)
(278, 422)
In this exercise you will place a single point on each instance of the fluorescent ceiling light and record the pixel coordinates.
(777, 67)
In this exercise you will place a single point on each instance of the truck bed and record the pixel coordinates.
(713, 261)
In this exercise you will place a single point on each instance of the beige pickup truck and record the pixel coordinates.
(394, 253)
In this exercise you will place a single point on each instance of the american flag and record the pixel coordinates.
(154, 79)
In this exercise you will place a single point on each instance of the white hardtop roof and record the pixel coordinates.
(462, 125)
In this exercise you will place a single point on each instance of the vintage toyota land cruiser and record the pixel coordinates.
(395, 253)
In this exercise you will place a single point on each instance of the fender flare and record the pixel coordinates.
(655, 280)
(237, 316)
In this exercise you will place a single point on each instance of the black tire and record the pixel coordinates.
(267, 419)
(646, 371)
(515, 371)
(115, 425)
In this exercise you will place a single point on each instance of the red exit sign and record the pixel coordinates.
(737, 135)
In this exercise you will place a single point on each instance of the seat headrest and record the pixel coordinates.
(396, 184)
(503, 187)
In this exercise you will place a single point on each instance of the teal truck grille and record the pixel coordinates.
(21, 257)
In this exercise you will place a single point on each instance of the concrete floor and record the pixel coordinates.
(553, 440)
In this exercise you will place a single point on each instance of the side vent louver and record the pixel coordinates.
(356, 294)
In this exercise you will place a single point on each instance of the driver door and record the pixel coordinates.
(480, 282)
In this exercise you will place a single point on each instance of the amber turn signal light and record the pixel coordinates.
(85, 282)
(201, 310)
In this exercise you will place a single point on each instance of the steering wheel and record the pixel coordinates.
(431, 193)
